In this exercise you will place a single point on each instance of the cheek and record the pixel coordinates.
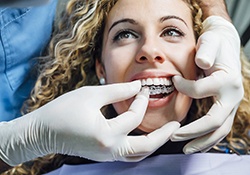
(116, 65)
(122, 106)
(182, 106)
(186, 63)
(188, 69)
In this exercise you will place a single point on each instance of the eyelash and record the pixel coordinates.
(173, 29)
(120, 34)
(124, 32)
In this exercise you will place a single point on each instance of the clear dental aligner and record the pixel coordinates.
(158, 85)
(154, 90)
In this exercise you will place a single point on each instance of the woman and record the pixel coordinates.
(152, 49)
(115, 41)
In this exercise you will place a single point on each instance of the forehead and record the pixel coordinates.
(149, 9)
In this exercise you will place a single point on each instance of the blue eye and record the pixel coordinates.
(125, 34)
(172, 32)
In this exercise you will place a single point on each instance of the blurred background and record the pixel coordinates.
(239, 11)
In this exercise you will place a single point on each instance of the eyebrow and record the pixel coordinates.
(125, 20)
(164, 18)
(129, 20)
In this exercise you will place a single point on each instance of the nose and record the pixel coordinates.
(150, 51)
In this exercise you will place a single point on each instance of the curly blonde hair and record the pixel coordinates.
(70, 64)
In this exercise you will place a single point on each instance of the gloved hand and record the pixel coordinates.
(218, 54)
(73, 124)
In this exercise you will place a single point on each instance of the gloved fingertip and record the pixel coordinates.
(176, 79)
(176, 137)
(203, 63)
(176, 125)
(132, 87)
(189, 150)
(172, 126)
(145, 91)
(136, 84)
(173, 138)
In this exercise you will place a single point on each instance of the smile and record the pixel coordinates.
(158, 87)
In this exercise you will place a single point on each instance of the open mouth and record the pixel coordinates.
(158, 87)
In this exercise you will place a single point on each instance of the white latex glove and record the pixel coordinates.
(73, 124)
(218, 54)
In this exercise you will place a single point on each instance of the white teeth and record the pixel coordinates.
(156, 81)
(158, 85)
(149, 81)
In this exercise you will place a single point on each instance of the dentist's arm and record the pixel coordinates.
(22, 3)
(218, 54)
(214, 8)
(73, 124)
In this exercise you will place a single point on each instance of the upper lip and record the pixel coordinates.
(151, 74)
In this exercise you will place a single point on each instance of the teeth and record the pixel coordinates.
(154, 90)
(158, 85)
(156, 81)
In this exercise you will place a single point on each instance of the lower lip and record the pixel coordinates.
(157, 103)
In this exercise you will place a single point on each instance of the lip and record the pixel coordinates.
(151, 74)
(155, 103)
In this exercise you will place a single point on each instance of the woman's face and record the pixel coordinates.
(151, 41)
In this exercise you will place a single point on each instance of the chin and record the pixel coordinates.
(149, 125)
(146, 129)
(151, 122)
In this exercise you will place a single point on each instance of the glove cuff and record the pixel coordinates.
(20, 141)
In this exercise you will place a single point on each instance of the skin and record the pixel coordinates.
(214, 7)
(139, 46)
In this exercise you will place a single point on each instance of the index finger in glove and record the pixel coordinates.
(215, 117)
(206, 142)
(200, 88)
(129, 120)
(112, 93)
(142, 146)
